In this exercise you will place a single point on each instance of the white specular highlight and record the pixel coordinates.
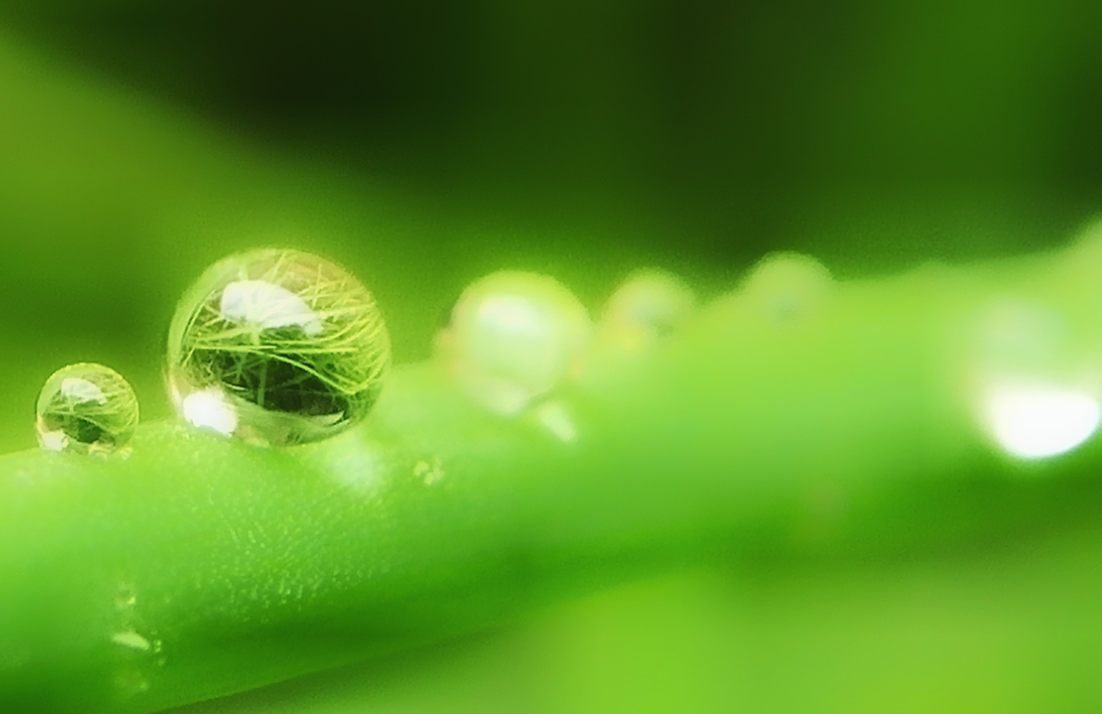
(1031, 421)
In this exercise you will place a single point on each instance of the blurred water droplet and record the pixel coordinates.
(788, 286)
(86, 409)
(514, 337)
(277, 347)
(1034, 394)
(648, 306)
(1034, 421)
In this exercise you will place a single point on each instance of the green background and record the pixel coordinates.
(424, 144)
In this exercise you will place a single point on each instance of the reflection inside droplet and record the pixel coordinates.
(82, 390)
(1033, 421)
(209, 409)
(268, 307)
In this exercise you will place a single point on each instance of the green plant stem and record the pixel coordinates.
(199, 566)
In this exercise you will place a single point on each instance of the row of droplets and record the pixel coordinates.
(282, 347)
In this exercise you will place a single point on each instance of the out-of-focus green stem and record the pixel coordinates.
(199, 566)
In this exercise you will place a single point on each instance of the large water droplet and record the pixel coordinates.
(277, 347)
(86, 408)
(648, 306)
(514, 336)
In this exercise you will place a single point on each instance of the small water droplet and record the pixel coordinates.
(277, 347)
(787, 286)
(514, 336)
(86, 409)
(648, 306)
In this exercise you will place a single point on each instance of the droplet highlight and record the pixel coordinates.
(86, 409)
(513, 338)
(1036, 421)
(1034, 390)
(277, 347)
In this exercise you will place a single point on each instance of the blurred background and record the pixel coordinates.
(425, 143)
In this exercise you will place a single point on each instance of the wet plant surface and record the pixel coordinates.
(829, 442)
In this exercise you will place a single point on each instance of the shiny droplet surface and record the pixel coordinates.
(649, 305)
(514, 337)
(86, 409)
(277, 347)
(1034, 390)
(787, 286)
(1035, 421)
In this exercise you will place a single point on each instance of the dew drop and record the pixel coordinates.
(648, 306)
(277, 347)
(1033, 390)
(1034, 421)
(86, 409)
(514, 337)
(787, 286)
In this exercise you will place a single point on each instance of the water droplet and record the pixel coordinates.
(86, 409)
(1034, 393)
(277, 347)
(514, 337)
(786, 286)
(648, 306)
